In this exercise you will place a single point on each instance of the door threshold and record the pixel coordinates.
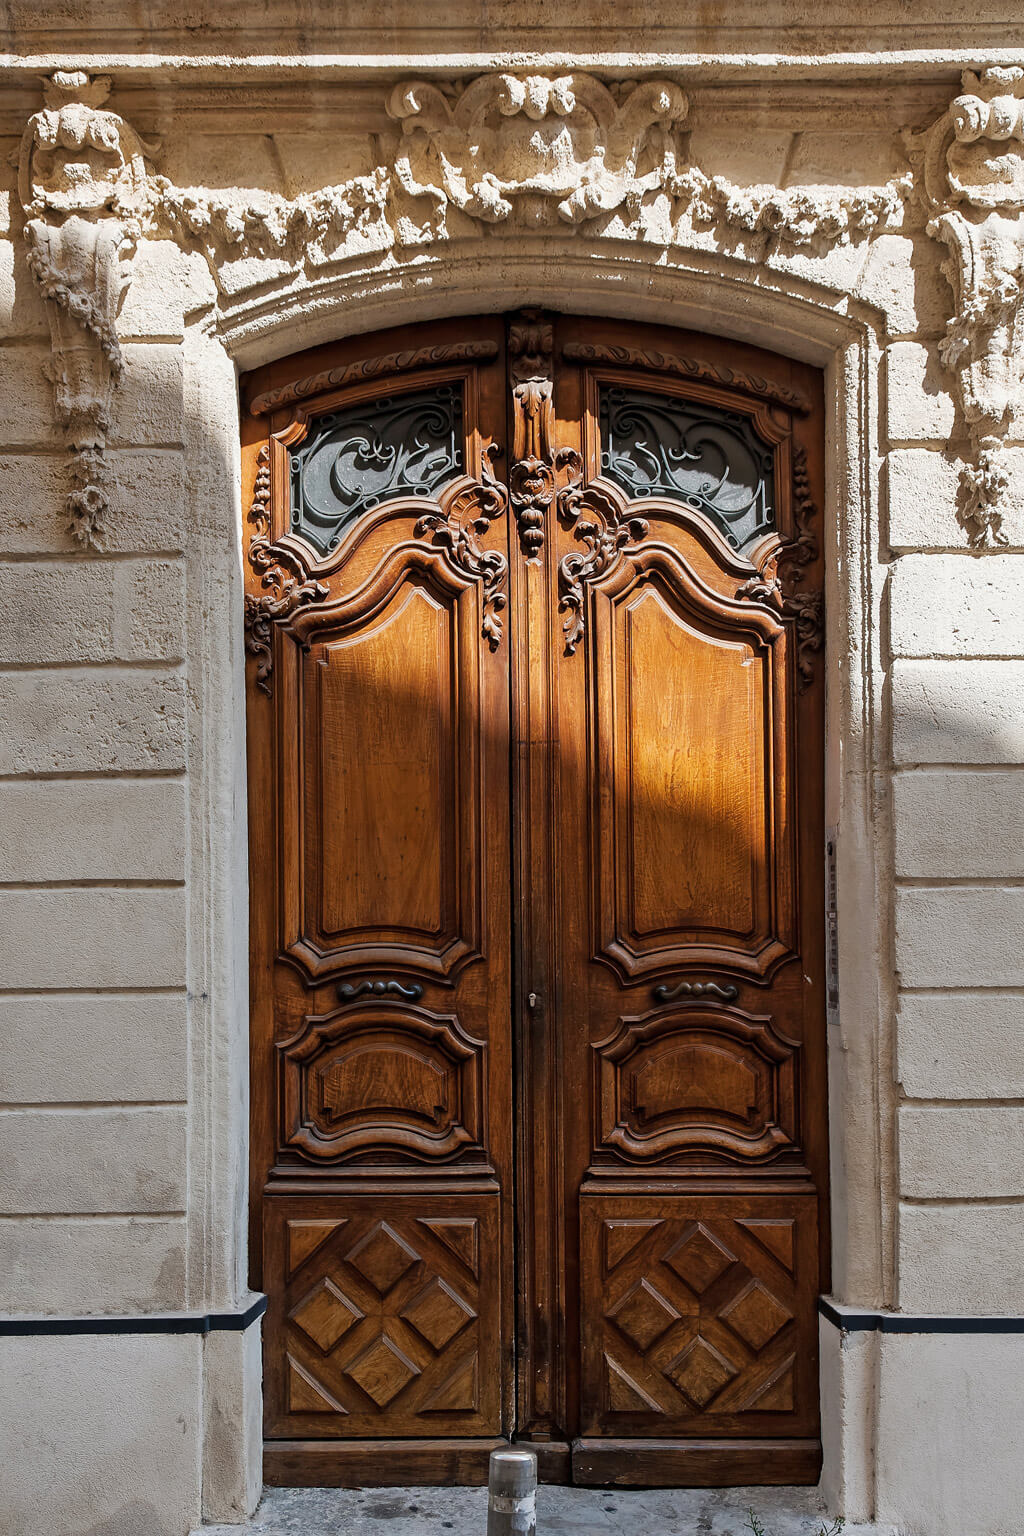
(783, 1511)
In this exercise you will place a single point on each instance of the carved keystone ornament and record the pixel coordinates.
(531, 140)
(82, 184)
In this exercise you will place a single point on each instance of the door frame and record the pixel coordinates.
(840, 702)
(774, 307)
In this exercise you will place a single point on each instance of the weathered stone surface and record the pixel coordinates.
(961, 1045)
(167, 283)
(959, 821)
(95, 1266)
(146, 512)
(957, 1152)
(958, 712)
(966, 1259)
(901, 278)
(956, 605)
(95, 610)
(21, 306)
(91, 719)
(947, 1415)
(75, 1048)
(125, 1412)
(68, 1161)
(960, 937)
(108, 829)
(92, 938)
(919, 404)
(26, 400)
(150, 408)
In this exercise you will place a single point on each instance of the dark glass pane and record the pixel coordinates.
(713, 460)
(355, 459)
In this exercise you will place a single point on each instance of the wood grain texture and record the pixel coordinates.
(536, 820)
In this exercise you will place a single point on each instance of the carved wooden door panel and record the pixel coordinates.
(536, 820)
(379, 795)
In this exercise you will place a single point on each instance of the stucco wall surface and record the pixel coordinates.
(814, 189)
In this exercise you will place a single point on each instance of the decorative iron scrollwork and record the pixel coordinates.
(357, 458)
(348, 991)
(470, 514)
(286, 585)
(667, 994)
(708, 458)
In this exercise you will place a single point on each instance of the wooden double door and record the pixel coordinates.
(534, 620)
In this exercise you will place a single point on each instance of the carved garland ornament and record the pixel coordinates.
(971, 165)
(82, 182)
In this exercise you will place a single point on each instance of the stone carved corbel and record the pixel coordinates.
(562, 147)
(82, 183)
(971, 164)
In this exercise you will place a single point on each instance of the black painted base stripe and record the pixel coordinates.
(165, 1322)
(900, 1322)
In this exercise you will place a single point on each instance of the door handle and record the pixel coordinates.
(349, 990)
(667, 994)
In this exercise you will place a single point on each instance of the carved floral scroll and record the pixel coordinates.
(83, 185)
(971, 165)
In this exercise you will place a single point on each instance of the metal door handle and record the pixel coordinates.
(667, 994)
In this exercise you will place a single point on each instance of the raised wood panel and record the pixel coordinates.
(388, 779)
(691, 842)
(699, 1316)
(382, 862)
(389, 1078)
(704, 1080)
(390, 1324)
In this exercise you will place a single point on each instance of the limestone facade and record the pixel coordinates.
(181, 203)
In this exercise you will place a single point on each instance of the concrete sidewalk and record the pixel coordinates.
(560, 1512)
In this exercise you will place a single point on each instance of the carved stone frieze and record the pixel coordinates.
(307, 229)
(83, 186)
(971, 164)
(797, 217)
(544, 148)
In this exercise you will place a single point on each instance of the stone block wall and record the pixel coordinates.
(123, 923)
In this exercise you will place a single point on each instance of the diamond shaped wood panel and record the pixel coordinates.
(699, 1316)
(389, 1324)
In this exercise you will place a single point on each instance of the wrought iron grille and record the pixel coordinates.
(711, 459)
(355, 459)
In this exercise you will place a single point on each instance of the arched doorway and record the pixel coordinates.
(538, 1060)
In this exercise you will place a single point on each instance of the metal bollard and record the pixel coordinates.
(512, 1493)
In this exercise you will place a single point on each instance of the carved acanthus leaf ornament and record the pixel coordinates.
(286, 585)
(82, 182)
(971, 163)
